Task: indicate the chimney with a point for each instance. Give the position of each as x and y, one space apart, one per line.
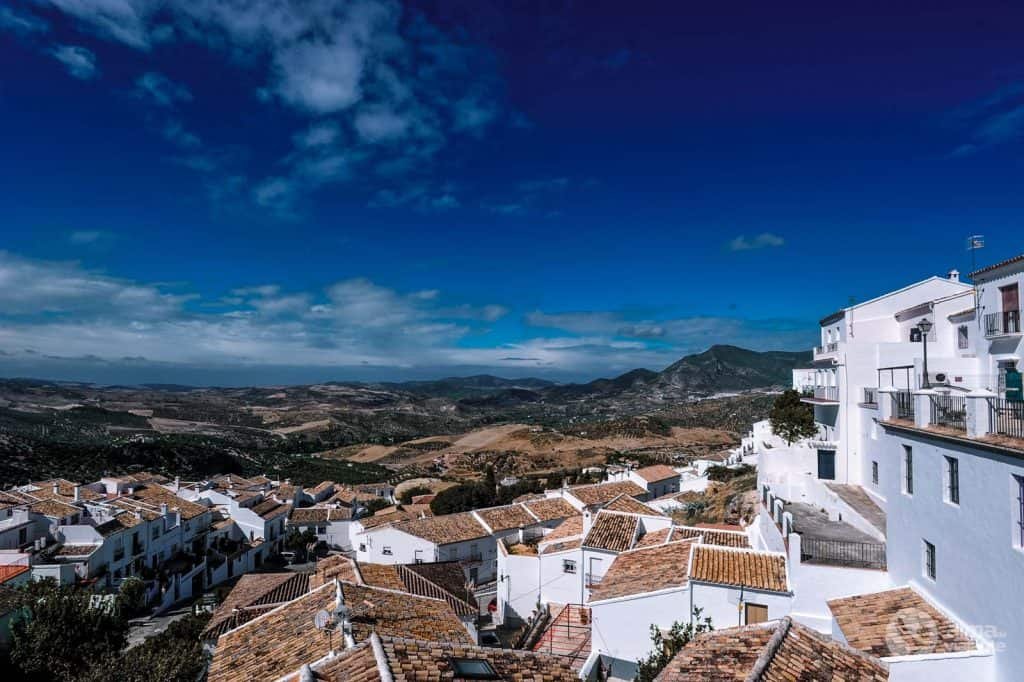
177 483
78 493
954 275
163 509
588 520
56 488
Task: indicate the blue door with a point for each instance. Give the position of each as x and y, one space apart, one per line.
827 465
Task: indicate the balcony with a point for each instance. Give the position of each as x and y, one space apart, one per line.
1005 323
827 350
904 405
821 395
1007 418
950 411
593 580
870 397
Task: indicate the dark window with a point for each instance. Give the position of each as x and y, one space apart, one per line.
473 669
929 559
962 337
568 566
874 472
386 550
953 479
908 470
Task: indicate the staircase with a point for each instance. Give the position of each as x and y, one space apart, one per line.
567 635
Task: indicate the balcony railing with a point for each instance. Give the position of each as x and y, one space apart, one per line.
870 396
904 403
1003 323
827 348
593 580
950 410
826 393
843 553
1007 418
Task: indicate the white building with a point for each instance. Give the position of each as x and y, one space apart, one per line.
920 472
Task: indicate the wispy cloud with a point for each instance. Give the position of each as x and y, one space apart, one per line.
994 120
89 237
161 90
21 24
764 240
80 62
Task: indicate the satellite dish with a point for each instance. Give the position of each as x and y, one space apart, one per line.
321 618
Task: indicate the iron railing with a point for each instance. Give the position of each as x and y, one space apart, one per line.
870 396
826 393
1007 417
827 348
1005 322
904 403
843 553
593 580
950 410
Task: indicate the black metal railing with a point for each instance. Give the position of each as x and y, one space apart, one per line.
1005 322
870 396
950 410
843 553
827 348
807 391
904 404
1007 417
826 393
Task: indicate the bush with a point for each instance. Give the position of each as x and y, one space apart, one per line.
407 495
132 596
461 498
665 647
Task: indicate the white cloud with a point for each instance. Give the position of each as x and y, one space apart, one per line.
126 21
80 62
760 241
80 237
22 24
161 89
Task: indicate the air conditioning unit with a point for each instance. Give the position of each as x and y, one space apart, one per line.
938 378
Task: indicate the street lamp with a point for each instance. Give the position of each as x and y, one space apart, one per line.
925 326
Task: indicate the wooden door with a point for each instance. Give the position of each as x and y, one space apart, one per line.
755 613
1011 297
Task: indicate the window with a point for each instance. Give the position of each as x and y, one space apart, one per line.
874 472
908 470
962 337
755 613
1019 524
156 532
569 566
929 560
22 536
321 530
386 550
473 669
362 547
952 480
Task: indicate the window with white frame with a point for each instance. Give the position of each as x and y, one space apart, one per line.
569 566
929 560
1018 525
952 492
908 470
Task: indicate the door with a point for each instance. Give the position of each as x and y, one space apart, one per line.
596 570
755 613
1011 308
827 465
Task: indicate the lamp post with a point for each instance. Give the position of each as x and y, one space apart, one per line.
925 326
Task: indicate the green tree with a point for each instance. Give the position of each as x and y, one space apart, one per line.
460 498
174 655
665 647
792 419
132 596
409 493
375 505
490 478
61 631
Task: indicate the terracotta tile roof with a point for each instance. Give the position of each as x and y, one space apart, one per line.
722 538
252 595
781 651
739 567
308 515
381 575
377 520
275 644
269 510
507 517
54 509
606 492
145 511
157 495
551 508
612 531
65 490
321 487
657 537
571 527
331 567
995 266
657 472
563 546
631 505
76 550
447 577
897 622
645 570
446 529
409 660
11 571
339 514
117 524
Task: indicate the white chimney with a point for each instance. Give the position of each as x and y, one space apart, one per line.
177 483
78 493
954 275
163 509
56 488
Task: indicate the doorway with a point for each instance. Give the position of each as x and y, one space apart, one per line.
827 465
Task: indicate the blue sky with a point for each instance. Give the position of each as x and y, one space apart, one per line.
268 192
